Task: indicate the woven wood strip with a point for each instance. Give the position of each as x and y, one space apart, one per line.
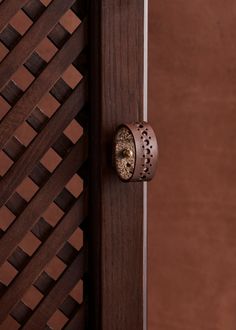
8 9
56 296
78 320
32 38
43 156
49 249
42 84
42 143
42 200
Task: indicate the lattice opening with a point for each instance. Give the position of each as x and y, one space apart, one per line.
51 160
22 78
20 313
25 134
72 76
69 307
3 51
29 244
58 320
6 218
70 21
75 186
55 268
46 2
10 323
74 131
53 214
27 189
21 22
32 297
10 37
7 273
48 105
42 100
5 162
4 106
46 50
34 9
76 239
77 292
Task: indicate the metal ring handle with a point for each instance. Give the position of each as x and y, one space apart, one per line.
135 152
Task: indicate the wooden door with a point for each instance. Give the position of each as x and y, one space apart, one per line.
72 248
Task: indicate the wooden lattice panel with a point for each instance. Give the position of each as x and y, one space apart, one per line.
43 150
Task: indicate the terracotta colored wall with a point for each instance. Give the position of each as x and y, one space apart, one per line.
192 201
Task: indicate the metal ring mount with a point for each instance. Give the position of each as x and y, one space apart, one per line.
135 152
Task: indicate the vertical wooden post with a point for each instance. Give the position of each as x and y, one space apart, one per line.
117 223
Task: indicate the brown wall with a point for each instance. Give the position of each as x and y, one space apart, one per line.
192 201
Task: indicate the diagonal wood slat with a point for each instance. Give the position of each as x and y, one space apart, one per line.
42 256
42 84
56 296
42 200
32 38
8 9
77 321
43 155
42 142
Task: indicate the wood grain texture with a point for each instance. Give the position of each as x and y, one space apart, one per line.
42 142
78 320
56 296
116 267
8 9
44 148
32 38
42 199
42 84
43 255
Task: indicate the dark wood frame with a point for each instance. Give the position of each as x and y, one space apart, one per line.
117 231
